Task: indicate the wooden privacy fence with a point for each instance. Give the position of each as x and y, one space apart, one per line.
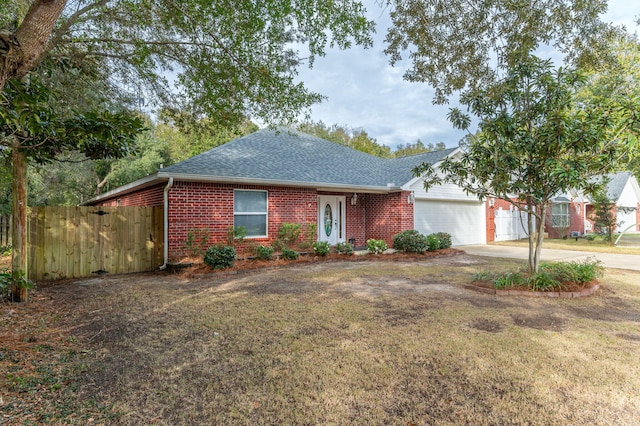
74 242
5 231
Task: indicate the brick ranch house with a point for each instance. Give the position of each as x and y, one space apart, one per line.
271 177
571 212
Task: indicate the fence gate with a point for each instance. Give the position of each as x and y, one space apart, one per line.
510 224
74 242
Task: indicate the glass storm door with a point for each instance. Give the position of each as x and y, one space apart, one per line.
331 214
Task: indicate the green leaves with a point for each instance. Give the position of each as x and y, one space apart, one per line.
29 123
461 45
535 141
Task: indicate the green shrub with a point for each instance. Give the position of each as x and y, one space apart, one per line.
288 254
236 235
552 275
573 272
562 272
482 276
376 246
321 248
543 281
587 271
590 237
264 252
508 279
433 242
289 233
310 233
445 240
410 241
5 282
278 245
5 250
197 239
344 248
220 256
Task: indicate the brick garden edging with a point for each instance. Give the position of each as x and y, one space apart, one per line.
529 293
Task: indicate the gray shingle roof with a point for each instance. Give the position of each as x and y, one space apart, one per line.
617 182
291 156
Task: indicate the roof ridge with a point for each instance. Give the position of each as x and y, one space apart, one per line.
426 152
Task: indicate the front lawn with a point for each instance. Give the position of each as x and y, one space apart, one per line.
328 343
629 244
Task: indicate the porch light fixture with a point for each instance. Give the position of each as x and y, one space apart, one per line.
492 201
411 198
354 199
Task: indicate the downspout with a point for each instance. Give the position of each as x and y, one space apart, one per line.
166 224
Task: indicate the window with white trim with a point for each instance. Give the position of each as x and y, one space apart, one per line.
250 211
560 215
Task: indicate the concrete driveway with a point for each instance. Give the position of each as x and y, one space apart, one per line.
609 260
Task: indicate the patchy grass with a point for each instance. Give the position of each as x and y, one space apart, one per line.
629 244
325 343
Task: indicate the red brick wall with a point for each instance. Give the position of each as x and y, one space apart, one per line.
356 224
387 214
199 205
152 196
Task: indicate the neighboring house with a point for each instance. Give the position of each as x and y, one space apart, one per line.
570 213
272 177
623 190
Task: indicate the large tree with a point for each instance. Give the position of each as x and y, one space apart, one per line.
621 75
230 59
535 141
463 45
32 130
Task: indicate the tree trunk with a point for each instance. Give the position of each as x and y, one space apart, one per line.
28 45
542 220
19 215
531 231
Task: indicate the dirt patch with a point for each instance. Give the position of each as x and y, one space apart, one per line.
630 337
542 321
484 324
613 309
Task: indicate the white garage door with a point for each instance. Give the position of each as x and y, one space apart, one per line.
465 221
626 218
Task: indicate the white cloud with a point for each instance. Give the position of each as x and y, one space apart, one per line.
364 91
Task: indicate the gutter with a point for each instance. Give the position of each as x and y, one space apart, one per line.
165 248
327 186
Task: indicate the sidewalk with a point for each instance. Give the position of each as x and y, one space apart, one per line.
609 260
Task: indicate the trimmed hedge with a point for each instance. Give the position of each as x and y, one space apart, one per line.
220 257
410 241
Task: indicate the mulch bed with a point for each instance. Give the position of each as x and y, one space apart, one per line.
569 290
246 265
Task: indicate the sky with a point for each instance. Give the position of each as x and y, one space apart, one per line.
365 92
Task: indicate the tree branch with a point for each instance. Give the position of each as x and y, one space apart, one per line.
59 33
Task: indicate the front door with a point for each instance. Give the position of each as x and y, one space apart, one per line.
331 214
